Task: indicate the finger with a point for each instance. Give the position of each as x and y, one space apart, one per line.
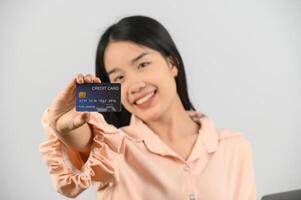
88 78
96 80
80 78
70 88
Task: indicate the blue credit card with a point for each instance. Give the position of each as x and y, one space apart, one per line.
98 97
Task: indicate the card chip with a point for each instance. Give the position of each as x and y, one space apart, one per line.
82 95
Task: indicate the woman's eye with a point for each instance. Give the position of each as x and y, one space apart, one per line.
143 64
117 78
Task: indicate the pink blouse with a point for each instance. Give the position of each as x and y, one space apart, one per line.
132 163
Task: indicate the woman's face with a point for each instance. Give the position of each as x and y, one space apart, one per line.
141 71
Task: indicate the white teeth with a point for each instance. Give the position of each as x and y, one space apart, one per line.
142 100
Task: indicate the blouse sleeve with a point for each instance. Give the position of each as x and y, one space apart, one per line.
69 174
246 185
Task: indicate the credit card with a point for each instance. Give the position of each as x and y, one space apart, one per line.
98 97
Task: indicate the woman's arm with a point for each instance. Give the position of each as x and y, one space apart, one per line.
69 172
79 140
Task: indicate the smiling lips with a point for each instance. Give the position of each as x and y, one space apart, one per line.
142 95
146 100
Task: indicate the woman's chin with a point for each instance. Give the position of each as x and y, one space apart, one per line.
148 115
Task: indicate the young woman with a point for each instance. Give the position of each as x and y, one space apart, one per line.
159 147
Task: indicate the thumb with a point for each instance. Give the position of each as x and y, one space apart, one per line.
81 119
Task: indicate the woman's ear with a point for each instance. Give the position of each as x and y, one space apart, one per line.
172 65
175 71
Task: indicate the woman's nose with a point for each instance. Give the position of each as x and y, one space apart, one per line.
137 87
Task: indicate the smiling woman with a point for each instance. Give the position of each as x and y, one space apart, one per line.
159 147
135 51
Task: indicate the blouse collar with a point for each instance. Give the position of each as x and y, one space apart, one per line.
207 140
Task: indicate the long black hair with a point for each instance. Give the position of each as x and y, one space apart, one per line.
148 32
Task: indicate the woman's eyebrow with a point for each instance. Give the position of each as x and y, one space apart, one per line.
139 57
132 62
112 71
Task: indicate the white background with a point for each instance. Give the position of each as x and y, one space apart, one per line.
242 61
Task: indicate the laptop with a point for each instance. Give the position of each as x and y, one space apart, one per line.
288 195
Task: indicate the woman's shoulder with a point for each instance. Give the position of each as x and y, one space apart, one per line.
226 134
233 139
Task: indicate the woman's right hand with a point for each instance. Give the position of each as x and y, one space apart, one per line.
62 114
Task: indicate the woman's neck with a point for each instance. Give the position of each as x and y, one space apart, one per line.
174 124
